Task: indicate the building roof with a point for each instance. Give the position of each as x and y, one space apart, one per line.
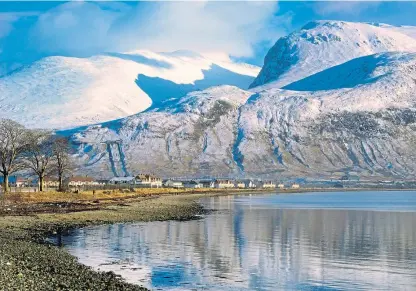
192 182
122 179
173 181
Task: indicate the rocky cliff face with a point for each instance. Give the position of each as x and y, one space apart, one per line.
194 137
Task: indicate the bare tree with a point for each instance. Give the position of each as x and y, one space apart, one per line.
39 155
61 148
13 143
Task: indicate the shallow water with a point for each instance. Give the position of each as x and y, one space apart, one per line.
317 241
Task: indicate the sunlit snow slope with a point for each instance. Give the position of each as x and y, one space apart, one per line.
63 92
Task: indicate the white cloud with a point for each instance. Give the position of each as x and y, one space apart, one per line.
344 7
231 27
8 18
82 28
74 28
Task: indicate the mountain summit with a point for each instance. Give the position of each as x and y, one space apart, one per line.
323 44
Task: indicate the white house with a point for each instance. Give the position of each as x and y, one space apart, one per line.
221 184
51 182
295 186
76 181
148 180
192 184
173 184
21 182
268 184
123 181
239 184
250 184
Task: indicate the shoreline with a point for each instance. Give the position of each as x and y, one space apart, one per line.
28 261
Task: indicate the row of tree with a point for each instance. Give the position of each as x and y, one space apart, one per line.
39 152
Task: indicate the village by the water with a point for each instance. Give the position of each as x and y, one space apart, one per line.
24 184
77 183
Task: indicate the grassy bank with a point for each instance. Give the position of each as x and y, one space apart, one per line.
27 263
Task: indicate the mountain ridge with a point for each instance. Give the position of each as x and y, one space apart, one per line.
323 44
225 131
341 103
64 92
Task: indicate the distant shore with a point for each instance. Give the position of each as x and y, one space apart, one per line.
27 219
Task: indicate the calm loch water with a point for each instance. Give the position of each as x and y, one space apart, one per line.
319 241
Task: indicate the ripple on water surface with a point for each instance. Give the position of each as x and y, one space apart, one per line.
321 241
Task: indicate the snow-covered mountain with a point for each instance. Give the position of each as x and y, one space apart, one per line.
360 117
199 133
323 44
356 117
63 92
334 98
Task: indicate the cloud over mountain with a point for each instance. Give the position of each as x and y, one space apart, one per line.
86 28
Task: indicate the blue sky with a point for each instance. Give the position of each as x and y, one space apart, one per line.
245 30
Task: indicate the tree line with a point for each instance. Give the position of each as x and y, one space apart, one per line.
36 151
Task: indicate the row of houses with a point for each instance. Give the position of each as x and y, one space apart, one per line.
150 181
52 182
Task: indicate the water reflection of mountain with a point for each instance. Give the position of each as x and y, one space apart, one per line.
243 248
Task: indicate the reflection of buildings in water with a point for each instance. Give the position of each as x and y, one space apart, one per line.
284 249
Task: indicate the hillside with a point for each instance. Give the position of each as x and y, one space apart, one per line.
361 121
195 136
63 92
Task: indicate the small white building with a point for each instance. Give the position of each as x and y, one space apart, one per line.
173 184
51 182
193 184
281 186
76 181
239 184
147 180
268 185
295 186
207 183
221 184
250 184
22 182
123 181
48 182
